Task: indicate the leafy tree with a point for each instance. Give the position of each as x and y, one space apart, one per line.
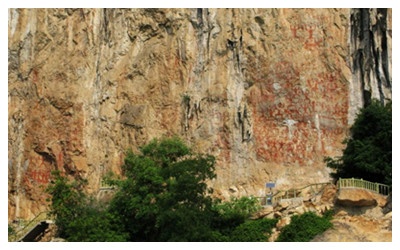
163 196
368 152
94 224
253 231
230 214
303 228
67 200
78 217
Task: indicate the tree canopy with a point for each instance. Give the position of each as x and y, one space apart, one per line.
164 195
161 196
368 152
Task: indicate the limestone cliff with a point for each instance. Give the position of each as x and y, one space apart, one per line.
269 92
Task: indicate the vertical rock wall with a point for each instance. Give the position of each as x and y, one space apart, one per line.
269 92
371 56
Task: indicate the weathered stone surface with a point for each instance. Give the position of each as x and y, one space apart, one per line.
281 205
282 223
274 235
269 92
388 207
328 194
341 213
355 197
300 210
263 212
357 229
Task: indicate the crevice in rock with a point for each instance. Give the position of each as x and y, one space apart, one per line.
244 124
370 52
200 17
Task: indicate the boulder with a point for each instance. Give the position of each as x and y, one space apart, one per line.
281 205
388 206
325 208
388 215
233 189
341 213
270 216
274 235
262 213
300 210
356 198
375 212
328 194
316 199
282 223
307 198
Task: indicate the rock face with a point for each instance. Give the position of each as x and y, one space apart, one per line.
357 229
352 223
359 198
269 92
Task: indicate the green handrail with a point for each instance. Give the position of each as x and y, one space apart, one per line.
26 227
360 183
293 193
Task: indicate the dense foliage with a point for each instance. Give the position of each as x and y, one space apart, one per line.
67 200
162 196
253 231
303 228
11 231
77 217
230 214
368 152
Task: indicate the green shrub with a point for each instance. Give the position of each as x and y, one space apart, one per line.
67 200
164 196
230 214
11 230
253 231
77 216
186 98
94 225
368 152
305 227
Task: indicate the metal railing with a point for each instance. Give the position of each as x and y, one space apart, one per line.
293 193
300 192
360 183
28 225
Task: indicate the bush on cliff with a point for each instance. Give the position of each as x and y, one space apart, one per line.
253 231
303 228
368 152
162 196
77 216
229 215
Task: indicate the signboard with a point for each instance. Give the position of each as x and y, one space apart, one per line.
270 184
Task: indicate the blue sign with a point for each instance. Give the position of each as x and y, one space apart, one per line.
270 184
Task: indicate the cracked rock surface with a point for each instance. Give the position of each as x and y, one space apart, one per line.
268 92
